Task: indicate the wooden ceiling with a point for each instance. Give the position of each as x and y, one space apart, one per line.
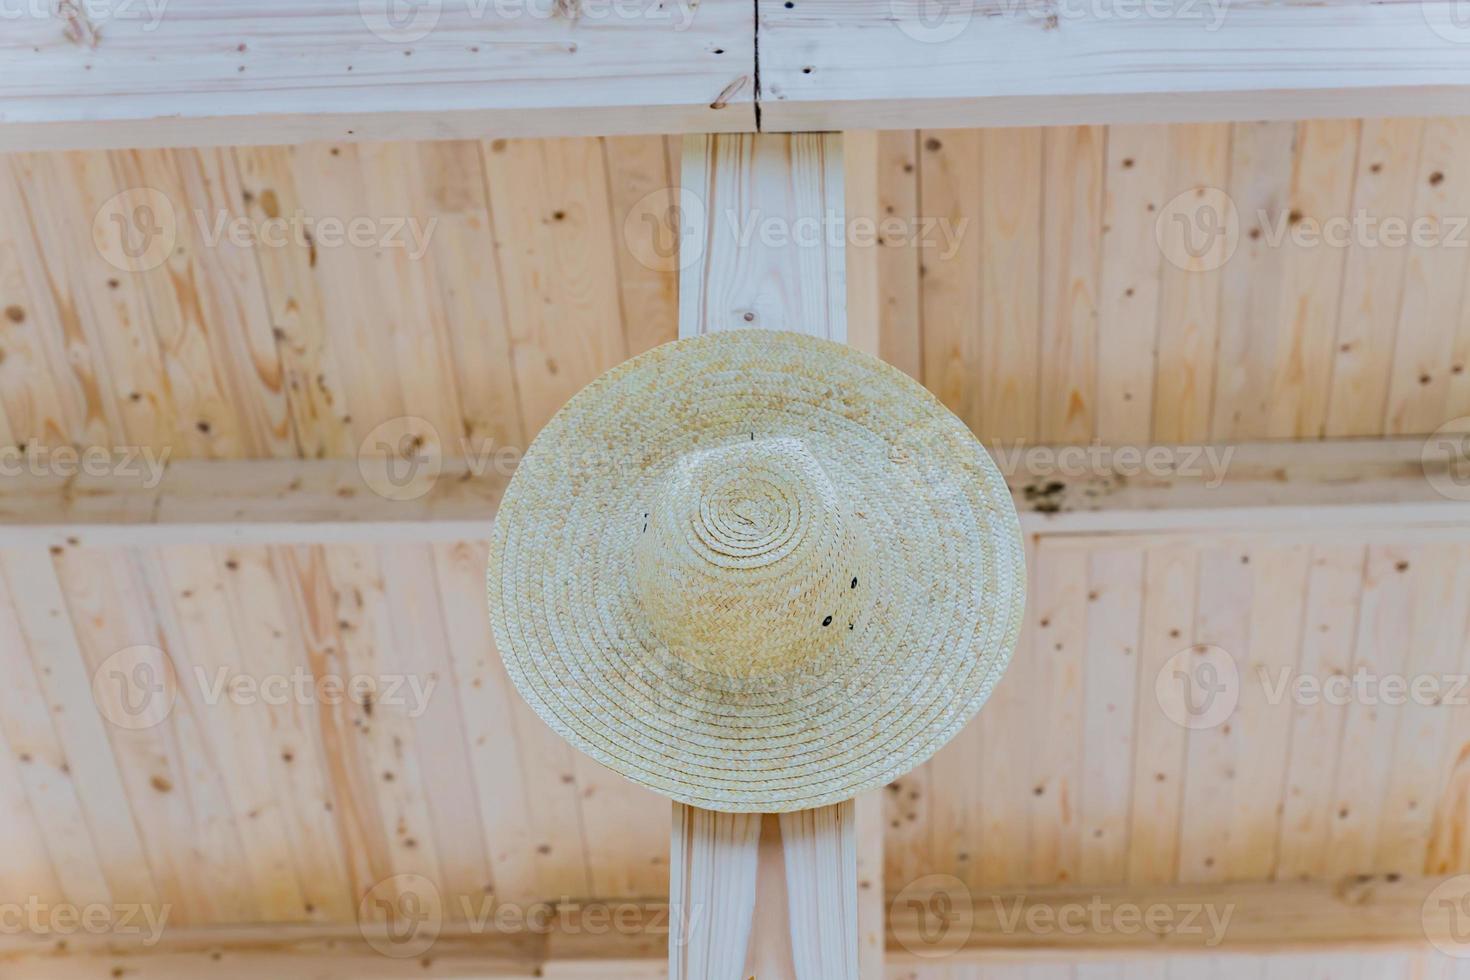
1053 318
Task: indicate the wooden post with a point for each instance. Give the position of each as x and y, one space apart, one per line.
799 896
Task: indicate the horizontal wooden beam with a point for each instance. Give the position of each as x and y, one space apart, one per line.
137 73
886 64
936 919
1363 912
553 947
1392 486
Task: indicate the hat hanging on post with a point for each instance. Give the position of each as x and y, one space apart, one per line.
756 571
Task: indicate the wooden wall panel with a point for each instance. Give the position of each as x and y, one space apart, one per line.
1111 787
1020 276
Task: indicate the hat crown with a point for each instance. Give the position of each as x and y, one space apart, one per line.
750 563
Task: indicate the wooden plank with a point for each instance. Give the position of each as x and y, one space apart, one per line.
1373 914
199 73
761 249
1312 279
1429 314
1384 620
1376 917
1326 650
1307 488
713 865
1170 586
949 289
790 884
902 243
1071 209
56 654
1261 156
1055 699
553 236
1189 286
1128 306
1115 601
848 64
1010 282
486 703
643 191
190 579
1368 316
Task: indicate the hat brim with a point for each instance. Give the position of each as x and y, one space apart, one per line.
935 634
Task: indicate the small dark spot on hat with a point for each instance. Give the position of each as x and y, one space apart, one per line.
849 626
827 621
854 583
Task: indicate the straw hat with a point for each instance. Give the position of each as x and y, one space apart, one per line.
756 571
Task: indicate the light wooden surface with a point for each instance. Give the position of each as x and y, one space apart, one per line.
196 72
782 893
530 287
760 251
845 64
1405 487
1289 929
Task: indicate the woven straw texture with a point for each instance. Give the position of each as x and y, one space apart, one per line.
756 571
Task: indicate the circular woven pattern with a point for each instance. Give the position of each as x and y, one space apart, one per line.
756 571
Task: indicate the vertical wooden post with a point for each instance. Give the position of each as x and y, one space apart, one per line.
799 896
